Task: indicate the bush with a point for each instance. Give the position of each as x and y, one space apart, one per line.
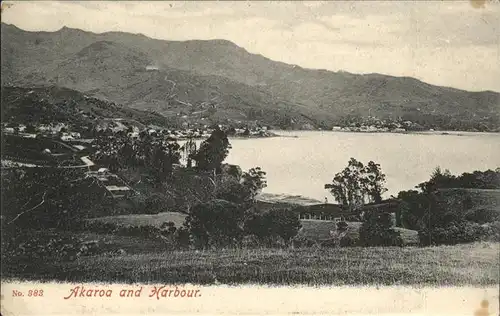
274 227
342 226
33 246
157 203
216 223
168 228
377 230
251 241
302 241
182 238
451 234
482 215
491 231
348 241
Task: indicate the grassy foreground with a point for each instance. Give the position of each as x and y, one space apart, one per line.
472 264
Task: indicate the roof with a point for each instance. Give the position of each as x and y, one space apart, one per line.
117 188
87 161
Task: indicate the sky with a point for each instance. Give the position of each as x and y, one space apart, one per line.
447 43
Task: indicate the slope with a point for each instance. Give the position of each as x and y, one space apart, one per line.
114 66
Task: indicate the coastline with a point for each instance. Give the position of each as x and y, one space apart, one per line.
440 133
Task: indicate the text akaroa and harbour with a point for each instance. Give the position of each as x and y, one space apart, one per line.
157 292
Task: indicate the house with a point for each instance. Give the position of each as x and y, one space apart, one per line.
336 212
67 137
87 161
324 211
79 147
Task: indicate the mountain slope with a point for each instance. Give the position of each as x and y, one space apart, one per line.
239 84
46 105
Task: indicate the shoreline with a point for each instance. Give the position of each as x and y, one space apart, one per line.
439 133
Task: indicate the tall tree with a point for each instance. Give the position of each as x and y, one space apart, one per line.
347 186
358 184
374 181
212 151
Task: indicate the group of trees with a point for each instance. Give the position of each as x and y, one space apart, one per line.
212 152
155 154
442 209
226 218
220 223
217 198
358 184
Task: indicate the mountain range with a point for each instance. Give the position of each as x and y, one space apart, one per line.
218 81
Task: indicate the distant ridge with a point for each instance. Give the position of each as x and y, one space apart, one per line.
226 83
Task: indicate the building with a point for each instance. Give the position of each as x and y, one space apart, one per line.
336 212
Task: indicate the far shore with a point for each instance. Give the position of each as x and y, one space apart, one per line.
452 133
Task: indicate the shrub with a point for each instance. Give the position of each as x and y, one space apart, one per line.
33 246
342 226
274 227
491 231
157 203
168 228
216 223
251 241
453 233
482 215
377 230
182 238
348 241
302 241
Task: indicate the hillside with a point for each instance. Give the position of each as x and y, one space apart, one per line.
217 80
46 105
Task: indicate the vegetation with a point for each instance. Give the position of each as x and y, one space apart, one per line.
217 223
377 230
216 92
46 105
57 210
272 225
155 155
430 266
212 152
443 210
358 184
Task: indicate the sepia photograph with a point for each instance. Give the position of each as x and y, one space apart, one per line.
166 149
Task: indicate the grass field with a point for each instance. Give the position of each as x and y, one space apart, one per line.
144 219
471 264
320 230
313 229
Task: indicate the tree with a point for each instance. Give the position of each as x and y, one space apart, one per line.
414 205
283 223
373 182
188 150
121 152
30 129
377 230
439 179
254 180
162 157
43 198
358 184
215 223
266 226
212 151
